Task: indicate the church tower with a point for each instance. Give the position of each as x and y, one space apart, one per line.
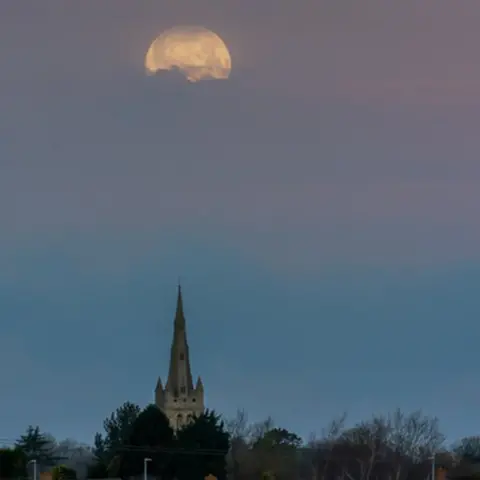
180 400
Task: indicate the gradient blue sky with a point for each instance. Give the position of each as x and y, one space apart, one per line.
321 208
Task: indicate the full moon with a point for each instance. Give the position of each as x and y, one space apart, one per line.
197 52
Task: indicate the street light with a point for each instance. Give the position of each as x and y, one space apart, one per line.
145 461
34 462
433 466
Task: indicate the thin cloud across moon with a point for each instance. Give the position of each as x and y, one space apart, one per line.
197 52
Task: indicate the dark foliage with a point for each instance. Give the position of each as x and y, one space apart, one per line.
117 427
468 448
203 445
97 470
151 437
36 446
12 463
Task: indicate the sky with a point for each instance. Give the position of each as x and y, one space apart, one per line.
319 208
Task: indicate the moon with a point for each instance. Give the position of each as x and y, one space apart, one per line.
197 52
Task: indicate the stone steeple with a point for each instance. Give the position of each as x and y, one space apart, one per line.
180 400
180 374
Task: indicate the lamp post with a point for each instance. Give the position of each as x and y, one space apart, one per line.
34 463
433 466
145 461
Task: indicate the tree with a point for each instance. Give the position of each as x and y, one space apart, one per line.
99 447
360 449
151 436
37 446
259 429
415 435
13 463
320 452
117 429
411 439
261 450
203 445
468 448
394 447
276 453
279 438
238 427
240 431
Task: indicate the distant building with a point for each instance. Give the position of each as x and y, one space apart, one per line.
180 400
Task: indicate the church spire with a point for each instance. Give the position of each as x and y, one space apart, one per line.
179 316
180 375
180 400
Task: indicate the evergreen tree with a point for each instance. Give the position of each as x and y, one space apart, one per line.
151 437
203 445
37 446
118 427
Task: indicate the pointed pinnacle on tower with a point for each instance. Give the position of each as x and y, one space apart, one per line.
199 385
159 385
179 373
179 316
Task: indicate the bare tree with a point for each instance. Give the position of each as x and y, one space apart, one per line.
323 448
415 435
238 427
240 431
334 429
243 460
362 448
385 447
259 429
